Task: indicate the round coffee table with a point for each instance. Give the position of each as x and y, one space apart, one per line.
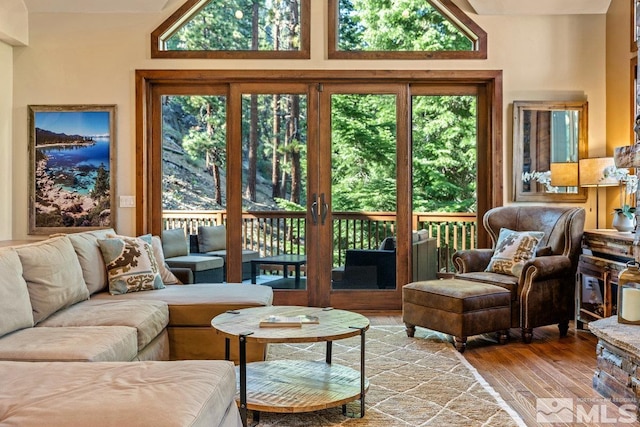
295 385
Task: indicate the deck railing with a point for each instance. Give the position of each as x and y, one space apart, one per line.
278 232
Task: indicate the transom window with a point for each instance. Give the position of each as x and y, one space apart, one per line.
357 29
403 29
236 28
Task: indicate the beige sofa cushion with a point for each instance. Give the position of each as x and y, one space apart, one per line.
90 257
53 275
168 278
15 306
70 394
81 344
212 238
196 305
175 243
148 318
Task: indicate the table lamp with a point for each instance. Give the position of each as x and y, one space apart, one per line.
564 174
592 175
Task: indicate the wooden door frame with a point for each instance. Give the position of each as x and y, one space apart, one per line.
489 112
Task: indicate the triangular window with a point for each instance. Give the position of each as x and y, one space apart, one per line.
403 29
235 29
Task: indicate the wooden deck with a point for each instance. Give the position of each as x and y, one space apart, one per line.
549 367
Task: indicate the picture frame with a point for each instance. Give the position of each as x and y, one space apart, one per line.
72 168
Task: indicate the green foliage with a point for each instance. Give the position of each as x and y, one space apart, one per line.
228 25
101 187
363 126
444 154
363 152
286 205
397 25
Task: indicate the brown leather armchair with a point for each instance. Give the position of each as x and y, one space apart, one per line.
544 292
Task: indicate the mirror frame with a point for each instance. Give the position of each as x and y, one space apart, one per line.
519 195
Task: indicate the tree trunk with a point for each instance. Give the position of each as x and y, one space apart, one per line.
211 163
275 157
253 120
294 132
217 196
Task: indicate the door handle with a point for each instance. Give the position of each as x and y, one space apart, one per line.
325 208
314 209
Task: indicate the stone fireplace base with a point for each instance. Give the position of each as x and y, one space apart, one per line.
618 361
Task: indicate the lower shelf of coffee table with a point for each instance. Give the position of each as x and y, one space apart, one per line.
299 386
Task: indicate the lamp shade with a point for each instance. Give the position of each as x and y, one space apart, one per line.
564 174
592 172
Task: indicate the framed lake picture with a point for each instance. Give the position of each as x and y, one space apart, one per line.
71 168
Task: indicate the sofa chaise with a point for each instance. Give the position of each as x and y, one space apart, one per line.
58 308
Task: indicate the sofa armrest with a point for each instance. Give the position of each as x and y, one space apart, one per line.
472 260
185 275
546 267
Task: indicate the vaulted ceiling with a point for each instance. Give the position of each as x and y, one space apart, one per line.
95 6
482 7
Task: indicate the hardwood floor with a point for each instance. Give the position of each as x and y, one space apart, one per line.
549 367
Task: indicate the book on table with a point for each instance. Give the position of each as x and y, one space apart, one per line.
275 321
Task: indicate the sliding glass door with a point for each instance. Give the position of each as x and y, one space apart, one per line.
321 186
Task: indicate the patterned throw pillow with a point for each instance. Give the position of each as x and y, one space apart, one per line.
131 265
513 250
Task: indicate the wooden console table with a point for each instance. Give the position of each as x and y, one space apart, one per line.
604 255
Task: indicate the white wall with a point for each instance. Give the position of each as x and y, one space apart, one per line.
85 59
6 105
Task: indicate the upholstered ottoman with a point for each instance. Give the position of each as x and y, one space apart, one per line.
457 307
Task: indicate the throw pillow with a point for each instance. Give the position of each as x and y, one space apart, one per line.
213 238
53 275
168 278
174 243
15 307
513 250
131 265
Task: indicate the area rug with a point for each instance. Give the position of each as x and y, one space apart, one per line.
420 381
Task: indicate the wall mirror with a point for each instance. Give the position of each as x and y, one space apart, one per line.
549 138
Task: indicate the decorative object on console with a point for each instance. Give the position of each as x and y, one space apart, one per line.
591 172
629 294
629 157
623 219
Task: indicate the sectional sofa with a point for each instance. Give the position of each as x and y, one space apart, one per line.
60 308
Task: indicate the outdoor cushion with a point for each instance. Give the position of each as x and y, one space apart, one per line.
174 243
15 306
148 318
196 262
53 275
86 344
247 254
212 238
